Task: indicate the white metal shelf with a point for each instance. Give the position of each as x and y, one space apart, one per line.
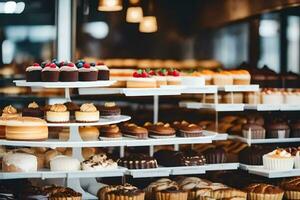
264 141
77 84
239 88
261 171
272 107
219 107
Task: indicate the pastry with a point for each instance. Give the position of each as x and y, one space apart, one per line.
110 131
58 113
61 193
215 155
160 130
269 96
252 98
278 129
165 189
138 161
255 119
64 163
278 159
32 193
223 78
19 162
87 113
98 162
103 71
120 192
236 97
68 72
33 110
191 130
72 108
50 73
141 82
253 155
177 125
110 110
170 158
134 131
195 187
241 77
88 73
295 129
160 76
291 188
33 73
64 134
173 77
49 155
26 128
89 133
10 112
3 121
88 152
260 191
253 131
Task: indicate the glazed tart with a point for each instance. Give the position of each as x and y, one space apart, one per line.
138 161
191 130
160 130
134 131
87 113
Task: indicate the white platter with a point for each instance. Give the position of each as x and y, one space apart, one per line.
77 84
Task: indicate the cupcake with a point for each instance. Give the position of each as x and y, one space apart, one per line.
278 159
58 113
68 72
278 129
295 129
50 73
215 155
33 110
110 110
10 112
33 73
103 71
291 188
261 191
87 113
88 73
253 131
120 192
253 155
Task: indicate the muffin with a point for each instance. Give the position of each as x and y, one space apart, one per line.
34 73
110 131
278 129
33 110
103 71
110 110
253 155
160 130
89 133
191 130
291 187
87 113
261 191
58 113
50 73
10 112
295 129
68 73
215 155
255 131
134 131
255 119
278 159
88 73
118 192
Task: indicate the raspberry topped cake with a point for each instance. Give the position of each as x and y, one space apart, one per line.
88 73
33 73
50 73
68 72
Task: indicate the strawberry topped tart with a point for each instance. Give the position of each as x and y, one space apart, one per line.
141 79
173 77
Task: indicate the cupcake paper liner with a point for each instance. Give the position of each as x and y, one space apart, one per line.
291 195
297 162
278 163
171 195
260 196
255 134
278 134
140 196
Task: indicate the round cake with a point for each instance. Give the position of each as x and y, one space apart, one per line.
58 113
64 163
19 162
26 128
88 113
3 121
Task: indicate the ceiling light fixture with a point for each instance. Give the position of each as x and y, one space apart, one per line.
149 22
110 5
134 14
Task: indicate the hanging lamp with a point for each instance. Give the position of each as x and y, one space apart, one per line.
149 22
110 5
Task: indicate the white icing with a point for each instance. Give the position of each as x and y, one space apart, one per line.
50 69
64 163
23 161
33 68
91 69
280 153
102 67
68 68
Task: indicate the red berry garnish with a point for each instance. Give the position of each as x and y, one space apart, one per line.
86 65
53 65
136 75
144 74
176 73
71 64
48 65
36 64
152 73
61 63
170 72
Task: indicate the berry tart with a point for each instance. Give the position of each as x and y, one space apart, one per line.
110 132
173 77
33 110
103 71
160 130
141 79
50 73
134 131
33 73
110 110
88 73
68 72
58 113
87 113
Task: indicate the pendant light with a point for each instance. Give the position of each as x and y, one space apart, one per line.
134 14
110 5
149 22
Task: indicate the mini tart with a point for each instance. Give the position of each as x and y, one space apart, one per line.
121 192
88 113
110 110
291 188
26 128
141 83
138 161
110 131
134 131
58 113
160 130
33 73
262 191
191 130
68 73
89 133
10 112
33 110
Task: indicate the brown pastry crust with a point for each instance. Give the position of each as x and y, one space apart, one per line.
135 131
111 131
160 129
262 188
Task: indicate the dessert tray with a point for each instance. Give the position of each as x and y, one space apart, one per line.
77 84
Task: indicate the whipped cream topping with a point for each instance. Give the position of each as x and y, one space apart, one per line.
33 68
68 68
280 153
98 162
102 67
58 108
9 110
50 69
33 105
90 69
88 107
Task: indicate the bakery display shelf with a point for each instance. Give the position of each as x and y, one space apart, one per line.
247 167
144 173
102 121
77 84
261 171
264 141
222 107
46 174
239 88
273 107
